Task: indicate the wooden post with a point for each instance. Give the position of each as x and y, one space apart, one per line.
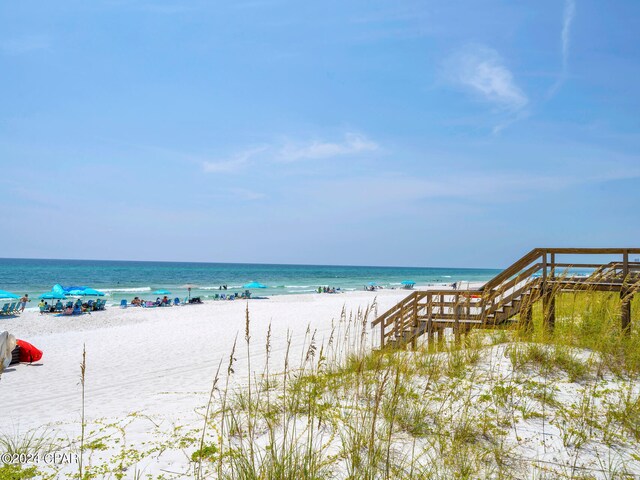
456 317
548 302
414 339
382 322
430 319
625 297
552 294
526 313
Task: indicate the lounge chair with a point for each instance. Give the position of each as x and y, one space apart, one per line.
5 309
13 310
123 303
58 307
176 301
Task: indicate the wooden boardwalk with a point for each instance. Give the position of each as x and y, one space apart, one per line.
510 296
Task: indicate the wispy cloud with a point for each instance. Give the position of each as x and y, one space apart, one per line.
567 20
22 45
233 164
352 144
290 152
569 14
482 71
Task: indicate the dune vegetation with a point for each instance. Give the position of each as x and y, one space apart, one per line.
500 403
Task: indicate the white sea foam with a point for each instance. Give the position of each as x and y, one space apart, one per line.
217 287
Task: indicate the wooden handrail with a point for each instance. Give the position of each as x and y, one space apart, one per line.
502 297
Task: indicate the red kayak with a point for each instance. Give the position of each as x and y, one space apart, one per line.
28 353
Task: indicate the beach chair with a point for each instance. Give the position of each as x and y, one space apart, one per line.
90 305
68 311
123 303
12 309
176 301
44 308
103 304
58 307
5 309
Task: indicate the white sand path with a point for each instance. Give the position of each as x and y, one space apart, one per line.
156 361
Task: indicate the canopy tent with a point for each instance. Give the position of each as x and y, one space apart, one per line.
52 296
76 291
5 294
254 284
90 292
408 284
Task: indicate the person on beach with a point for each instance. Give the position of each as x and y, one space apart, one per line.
23 302
42 306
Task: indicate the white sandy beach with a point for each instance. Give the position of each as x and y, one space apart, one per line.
154 361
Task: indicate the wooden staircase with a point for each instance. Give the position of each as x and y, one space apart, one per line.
509 296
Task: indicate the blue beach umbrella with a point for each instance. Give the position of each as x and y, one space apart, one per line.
162 292
5 294
52 296
372 284
408 282
254 284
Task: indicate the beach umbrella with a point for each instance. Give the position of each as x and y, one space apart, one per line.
52 296
372 284
5 294
408 282
254 284
188 286
162 292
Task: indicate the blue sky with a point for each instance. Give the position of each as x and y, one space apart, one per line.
430 133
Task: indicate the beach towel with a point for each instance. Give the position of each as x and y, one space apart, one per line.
7 344
28 353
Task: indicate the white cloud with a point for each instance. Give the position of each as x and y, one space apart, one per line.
233 164
567 21
569 14
246 194
482 71
352 144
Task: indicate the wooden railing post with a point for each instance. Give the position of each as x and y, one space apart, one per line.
430 319
526 312
456 317
625 296
414 338
548 306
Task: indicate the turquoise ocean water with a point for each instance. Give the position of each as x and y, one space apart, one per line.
119 279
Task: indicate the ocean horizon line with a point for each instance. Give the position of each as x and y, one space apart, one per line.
245 263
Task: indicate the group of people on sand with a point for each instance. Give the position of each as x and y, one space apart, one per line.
328 290
69 308
160 302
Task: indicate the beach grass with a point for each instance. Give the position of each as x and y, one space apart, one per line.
502 403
